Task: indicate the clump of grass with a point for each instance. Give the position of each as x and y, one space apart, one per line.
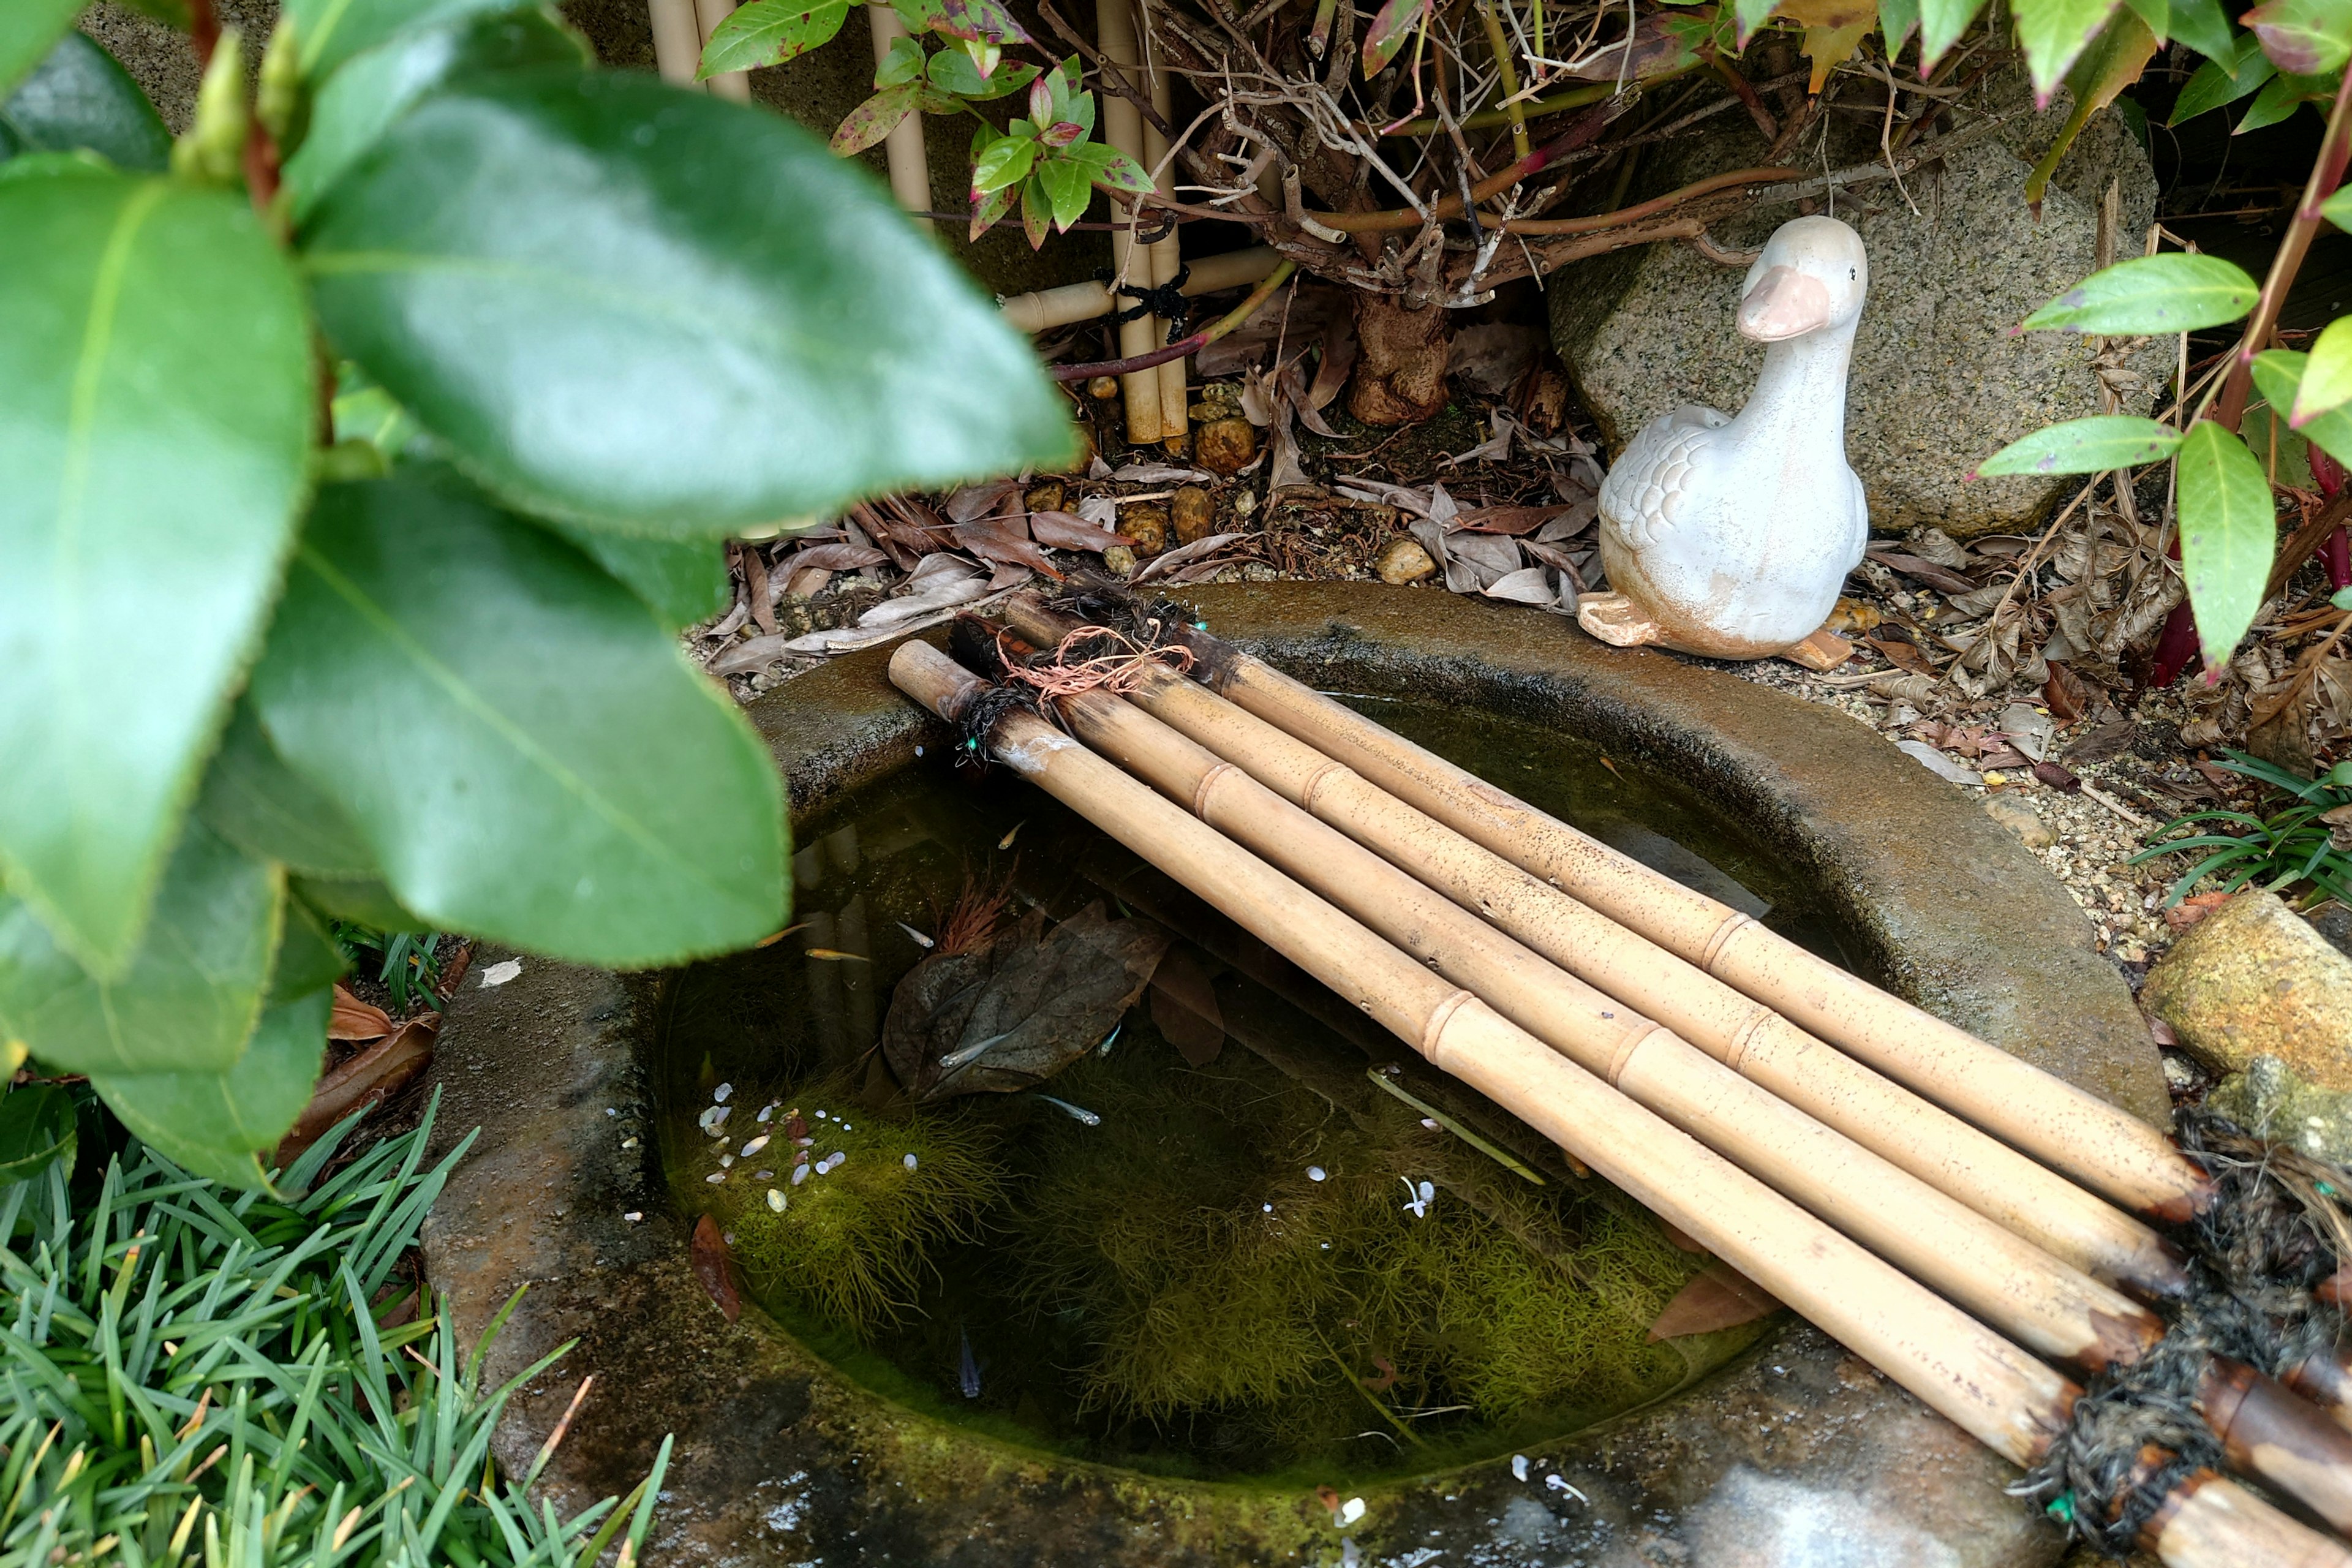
2292 845
191 1374
854 1244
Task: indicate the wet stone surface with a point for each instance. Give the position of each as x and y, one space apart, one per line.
1794 1454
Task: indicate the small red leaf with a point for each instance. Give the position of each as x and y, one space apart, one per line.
714 1267
1717 1297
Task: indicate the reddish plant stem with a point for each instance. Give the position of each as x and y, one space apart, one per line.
1650 208
203 28
2327 173
1587 128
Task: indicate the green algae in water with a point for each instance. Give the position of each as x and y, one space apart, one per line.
1172 1289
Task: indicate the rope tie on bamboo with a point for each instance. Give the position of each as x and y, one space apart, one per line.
982 713
1163 300
1092 658
2261 1253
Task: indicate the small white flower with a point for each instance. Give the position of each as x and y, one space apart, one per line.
1560 1484
1417 1200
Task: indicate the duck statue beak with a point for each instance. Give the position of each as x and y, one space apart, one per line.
1785 303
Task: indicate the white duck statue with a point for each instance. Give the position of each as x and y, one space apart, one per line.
1730 537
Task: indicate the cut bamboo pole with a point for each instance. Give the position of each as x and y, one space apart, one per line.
2005 1281
2266 1431
1167 255
1989 1387
678 41
1122 128
1994 1180
1049 307
735 86
903 152
2106 1148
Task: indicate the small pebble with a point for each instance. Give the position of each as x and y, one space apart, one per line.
1518 1467
610 1111
762 1175
1268 1207
500 974
910 1162
716 1177
799 1175
628 1143
1351 1511
918 751
1315 1172
755 1145
765 1111
711 1120
776 1200
634 1215
718 1095
725 1161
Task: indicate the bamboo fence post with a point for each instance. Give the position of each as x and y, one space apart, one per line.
1167 255
1049 307
678 41
2003 1279
1122 128
734 86
2106 1148
2030 1199
1989 1387
903 150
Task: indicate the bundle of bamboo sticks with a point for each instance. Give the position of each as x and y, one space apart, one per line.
1900 1183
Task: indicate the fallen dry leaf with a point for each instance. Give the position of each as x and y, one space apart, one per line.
1005 541
2068 698
1184 1008
1067 530
1939 577
1515 520
1717 1297
354 1019
714 1267
367 1080
1167 560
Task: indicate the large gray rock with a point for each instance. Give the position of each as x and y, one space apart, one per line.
1956 260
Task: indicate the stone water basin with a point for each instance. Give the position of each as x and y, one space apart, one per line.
808 1432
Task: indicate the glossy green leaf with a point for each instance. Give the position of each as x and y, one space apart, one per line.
978 20
987 208
1007 162
1941 23
2229 533
2337 208
1391 28
364 902
2305 38
1069 185
681 581
2278 377
920 16
192 992
375 88
329 32
521 744
2325 383
1747 15
28 30
1037 212
2174 292
2342 600
2280 97
2203 25
2054 33
214 1124
901 63
2156 14
78 97
1896 21
951 71
36 1129
253 800
769 33
2092 445
157 401
645 307
1112 169
2223 80
867 124
308 958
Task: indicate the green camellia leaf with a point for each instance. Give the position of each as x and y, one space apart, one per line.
28 30
79 98
901 63
953 71
2175 292
681 581
37 1129
216 1123
989 208
329 32
1037 212
1897 18
1941 23
2278 377
1006 163
523 746
2092 445
156 404
253 800
1391 28
192 992
2223 80
2280 97
1069 185
2305 38
642 308
2326 381
867 124
375 88
2200 24
2229 533
2054 33
1112 169
308 958
365 902
769 33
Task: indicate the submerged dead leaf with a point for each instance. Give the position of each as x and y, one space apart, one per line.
715 1268
1717 1297
1184 1008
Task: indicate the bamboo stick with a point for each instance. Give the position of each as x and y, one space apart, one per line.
1988 1386
2005 1281
1048 308
903 152
2104 1147
1167 255
2266 1431
1991 1178
1122 128
734 86
678 41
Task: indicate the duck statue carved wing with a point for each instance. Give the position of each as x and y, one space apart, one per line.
1730 536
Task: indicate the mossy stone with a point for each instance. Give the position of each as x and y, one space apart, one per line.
2253 979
